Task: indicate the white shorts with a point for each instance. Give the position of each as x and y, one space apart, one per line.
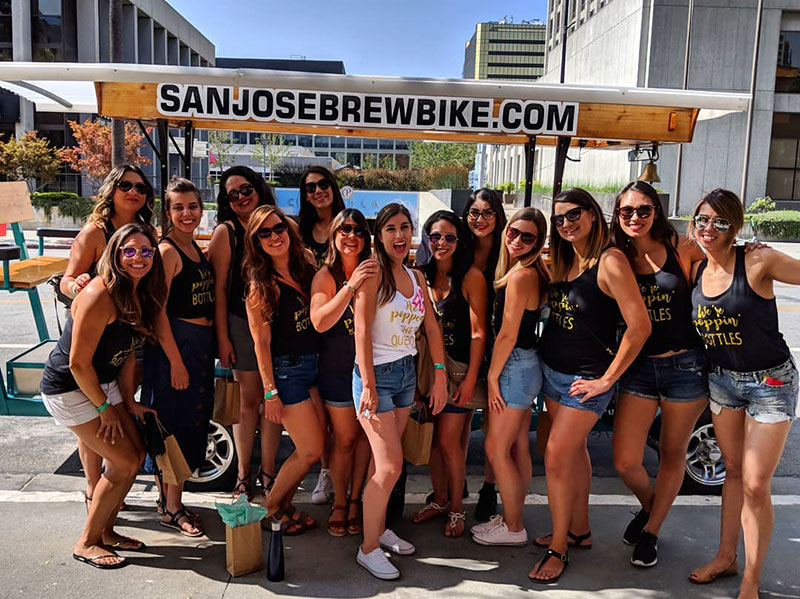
74 408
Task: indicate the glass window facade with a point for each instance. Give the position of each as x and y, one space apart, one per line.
783 174
787 78
54 30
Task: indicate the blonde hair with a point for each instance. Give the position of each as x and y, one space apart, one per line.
561 251
533 259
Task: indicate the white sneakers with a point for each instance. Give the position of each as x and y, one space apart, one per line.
482 527
324 490
391 542
500 535
376 562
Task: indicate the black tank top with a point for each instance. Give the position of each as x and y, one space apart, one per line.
582 327
337 346
191 294
236 280
320 250
453 310
739 327
117 342
668 300
108 231
291 328
526 336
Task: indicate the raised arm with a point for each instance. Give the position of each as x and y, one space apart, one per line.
219 254
477 296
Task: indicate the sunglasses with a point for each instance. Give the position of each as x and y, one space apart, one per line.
644 211
450 238
476 214
266 232
571 215
145 253
245 191
701 221
126 186
323 184
354 229
527 238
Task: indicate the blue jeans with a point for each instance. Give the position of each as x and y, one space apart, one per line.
521 379
395 383
677 378
557 385
760 392
294 376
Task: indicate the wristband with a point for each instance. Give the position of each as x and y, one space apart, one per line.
350 288
270 394
438 366
75 290
103 406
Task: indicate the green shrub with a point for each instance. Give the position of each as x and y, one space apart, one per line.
778 224
760 205
68 204
52 196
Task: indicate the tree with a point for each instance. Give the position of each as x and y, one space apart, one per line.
92 154
269 151
426 154
387 162
220 144
29 158
368 162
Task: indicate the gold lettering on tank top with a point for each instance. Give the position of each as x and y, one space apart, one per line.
657 302
717 328
561 309
118 359
202 290
412 313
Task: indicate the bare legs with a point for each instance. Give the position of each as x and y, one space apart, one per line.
347 435
92 467
632 422
450 444
513 472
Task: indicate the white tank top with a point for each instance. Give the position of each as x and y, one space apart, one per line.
394 329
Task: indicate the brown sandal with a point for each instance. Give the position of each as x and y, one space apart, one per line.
289 527
307 521
337 528
731 570
355 525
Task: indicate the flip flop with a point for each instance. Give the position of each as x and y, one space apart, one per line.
574 541
139 545
92 561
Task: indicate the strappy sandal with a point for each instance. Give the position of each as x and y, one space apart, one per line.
289 527
429 511
307 521
338 528
174 522
243 486
88 502
193 516
575 541
550 554
731 570
355 525
260 476
451 528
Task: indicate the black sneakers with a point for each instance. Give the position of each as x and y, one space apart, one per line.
645 554
487 503
634 530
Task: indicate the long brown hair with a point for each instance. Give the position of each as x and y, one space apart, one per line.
532 259
258 270
662 230
308 215
177 185
387 286
334 258
104 204
561 251
151 290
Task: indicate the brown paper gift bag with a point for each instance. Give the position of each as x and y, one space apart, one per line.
417 439
173 466
243 549
226 402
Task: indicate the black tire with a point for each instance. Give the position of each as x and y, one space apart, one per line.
218 473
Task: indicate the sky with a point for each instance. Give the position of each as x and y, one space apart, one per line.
404 38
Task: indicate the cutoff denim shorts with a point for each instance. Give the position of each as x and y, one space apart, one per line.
395 383
765 403
294 376
521 378
557 385
336 389
677 378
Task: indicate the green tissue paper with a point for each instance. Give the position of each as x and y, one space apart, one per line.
240 512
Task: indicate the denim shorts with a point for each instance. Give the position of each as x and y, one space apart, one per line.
521 378
556 387
395 383
336 389
294 376
677 378
765 403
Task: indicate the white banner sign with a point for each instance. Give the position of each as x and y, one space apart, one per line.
473 115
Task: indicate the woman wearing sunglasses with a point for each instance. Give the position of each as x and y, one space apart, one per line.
486 221
752 379
669 373
124 197
458 291
178 373
241 191
592 286
515 374
347 266
320 202
278 271
88 380
390 308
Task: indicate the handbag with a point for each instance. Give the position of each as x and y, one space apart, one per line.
227 405
456 373
418 437
173 466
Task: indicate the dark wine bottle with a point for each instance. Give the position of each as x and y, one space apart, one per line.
275 571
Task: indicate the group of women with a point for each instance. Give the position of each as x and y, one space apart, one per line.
321 322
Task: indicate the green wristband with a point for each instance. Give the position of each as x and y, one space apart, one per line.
103 406
269 394
438 366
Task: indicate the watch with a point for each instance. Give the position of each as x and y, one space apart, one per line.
350 288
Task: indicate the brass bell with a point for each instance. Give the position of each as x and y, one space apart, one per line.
650 173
